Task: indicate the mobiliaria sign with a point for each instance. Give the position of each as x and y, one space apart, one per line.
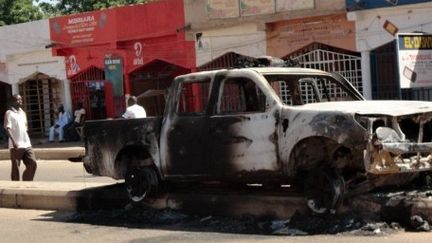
77 30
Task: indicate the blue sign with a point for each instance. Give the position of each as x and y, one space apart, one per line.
114 73
355 5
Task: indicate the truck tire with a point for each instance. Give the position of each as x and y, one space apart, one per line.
324 191
140 183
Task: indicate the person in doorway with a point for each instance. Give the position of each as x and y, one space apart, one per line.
63 118
79 118
15 124
134 110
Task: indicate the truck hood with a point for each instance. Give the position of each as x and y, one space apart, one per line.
388 107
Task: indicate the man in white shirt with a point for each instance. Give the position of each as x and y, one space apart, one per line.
134 110
15 124
62 120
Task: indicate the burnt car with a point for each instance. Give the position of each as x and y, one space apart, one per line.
271 126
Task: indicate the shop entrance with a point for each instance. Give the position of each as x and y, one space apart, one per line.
385 79
156 75
95 93
5 94
41 96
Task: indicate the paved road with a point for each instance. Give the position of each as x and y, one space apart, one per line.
55 170
49 226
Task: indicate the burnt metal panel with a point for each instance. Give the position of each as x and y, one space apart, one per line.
106 138
186 141
243 146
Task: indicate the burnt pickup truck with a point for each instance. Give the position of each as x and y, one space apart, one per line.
270 126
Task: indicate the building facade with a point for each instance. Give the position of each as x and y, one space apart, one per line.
28 68
99 58
377 25
123 51
313 33
249 27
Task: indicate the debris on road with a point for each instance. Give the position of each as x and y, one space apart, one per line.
350 223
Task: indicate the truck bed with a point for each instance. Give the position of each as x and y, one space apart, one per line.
105 139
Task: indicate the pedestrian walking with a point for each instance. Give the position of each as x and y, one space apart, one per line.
15 124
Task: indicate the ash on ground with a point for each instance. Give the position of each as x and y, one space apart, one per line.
376 213
144 217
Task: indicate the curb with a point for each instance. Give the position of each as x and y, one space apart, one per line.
67 196
77 196
49 153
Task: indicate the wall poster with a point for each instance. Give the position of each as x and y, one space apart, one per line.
415 60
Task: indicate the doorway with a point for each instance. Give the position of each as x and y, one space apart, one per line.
156 75
41 96
5 94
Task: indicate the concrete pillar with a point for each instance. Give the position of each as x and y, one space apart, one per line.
366 74
67 102
15 89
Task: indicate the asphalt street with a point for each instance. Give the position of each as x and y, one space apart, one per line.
18 225
55 170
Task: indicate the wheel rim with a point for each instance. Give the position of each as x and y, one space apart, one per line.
137 185
324 192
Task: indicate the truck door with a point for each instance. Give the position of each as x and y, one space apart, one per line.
242 131
182 138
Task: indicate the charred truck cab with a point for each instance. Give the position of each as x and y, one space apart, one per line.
303 127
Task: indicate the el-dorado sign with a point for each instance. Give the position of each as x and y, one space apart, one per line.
415 60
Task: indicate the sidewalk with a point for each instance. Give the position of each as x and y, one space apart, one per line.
49 151
70 196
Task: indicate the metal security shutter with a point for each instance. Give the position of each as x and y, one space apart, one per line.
88 87
384 73
41 97
331 59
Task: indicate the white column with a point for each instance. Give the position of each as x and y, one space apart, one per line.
15 89
366 74
67 102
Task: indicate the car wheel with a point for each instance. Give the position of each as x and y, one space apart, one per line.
87 168
140 182
324 191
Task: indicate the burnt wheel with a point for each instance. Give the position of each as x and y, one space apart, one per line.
87 168
140 182
324 191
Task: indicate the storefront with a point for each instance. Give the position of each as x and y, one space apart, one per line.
325 42
377 25
5 94
256 28
122 51
29 69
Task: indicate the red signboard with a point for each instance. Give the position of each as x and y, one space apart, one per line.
138 34
83 29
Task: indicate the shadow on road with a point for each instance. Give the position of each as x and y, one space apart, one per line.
95 208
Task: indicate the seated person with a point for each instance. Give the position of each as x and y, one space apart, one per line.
134 110
63 119
79 118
